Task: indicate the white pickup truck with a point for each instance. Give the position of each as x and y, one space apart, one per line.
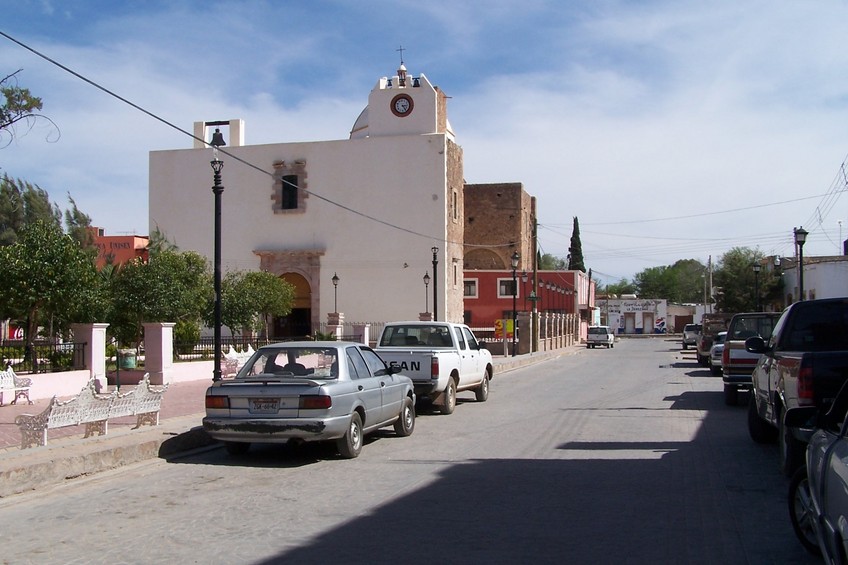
600 336
441 358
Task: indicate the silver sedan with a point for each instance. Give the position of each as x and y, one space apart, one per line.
309 391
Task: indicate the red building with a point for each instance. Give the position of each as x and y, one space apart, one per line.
118 249
488 295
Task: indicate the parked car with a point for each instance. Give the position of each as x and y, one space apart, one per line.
711 324
309 391
805 363
737 363
818 493
716 352
690 334
600 336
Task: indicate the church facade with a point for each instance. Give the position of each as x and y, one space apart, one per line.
373 212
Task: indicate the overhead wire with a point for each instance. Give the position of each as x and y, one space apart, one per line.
236 157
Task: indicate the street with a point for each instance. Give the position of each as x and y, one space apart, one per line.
624 455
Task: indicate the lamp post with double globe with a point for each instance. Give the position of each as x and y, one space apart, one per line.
218 191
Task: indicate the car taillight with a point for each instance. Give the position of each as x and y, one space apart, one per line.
725 356
805 384
434 367
315 402
222 402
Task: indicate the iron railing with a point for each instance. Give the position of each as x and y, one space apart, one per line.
42 356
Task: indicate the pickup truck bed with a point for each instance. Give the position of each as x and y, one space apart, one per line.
441 358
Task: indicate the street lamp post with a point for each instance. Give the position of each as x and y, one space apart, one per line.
218 191
426 292
515 258
800 239
757 268
435 250
336 292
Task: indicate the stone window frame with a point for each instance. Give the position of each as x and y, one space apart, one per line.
282 169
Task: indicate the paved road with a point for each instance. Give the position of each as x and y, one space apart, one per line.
625 455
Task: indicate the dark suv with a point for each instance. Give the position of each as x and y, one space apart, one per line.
690 334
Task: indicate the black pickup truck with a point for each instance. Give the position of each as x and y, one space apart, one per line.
804 363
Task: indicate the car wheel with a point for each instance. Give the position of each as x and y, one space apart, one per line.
612 345
350 445
791 450
685 346
481 393
406 422
236 447
801 511
759 430
449 403
731 395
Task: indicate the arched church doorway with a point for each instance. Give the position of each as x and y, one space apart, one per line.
299 322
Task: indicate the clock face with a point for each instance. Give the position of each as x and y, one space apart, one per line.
401 105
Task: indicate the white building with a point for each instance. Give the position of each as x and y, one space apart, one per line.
824 277
634 315
368 209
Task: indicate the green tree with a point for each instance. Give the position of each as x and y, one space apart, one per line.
735 280
623 286
248 298
655 282
575 251
19 105
172 286
46 274
23 203
548 262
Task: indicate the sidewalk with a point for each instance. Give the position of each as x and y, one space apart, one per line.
68 454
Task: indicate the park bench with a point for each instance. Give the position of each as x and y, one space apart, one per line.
94 410
233 361
19 386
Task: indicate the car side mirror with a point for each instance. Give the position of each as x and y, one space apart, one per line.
392 370
755 344
482 345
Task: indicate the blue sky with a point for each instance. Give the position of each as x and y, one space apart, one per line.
671 129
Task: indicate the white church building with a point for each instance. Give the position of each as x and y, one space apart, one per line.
369 209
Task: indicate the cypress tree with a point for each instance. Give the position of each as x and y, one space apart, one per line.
575 251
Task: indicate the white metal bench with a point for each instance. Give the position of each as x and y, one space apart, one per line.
233 361
19 386
94 410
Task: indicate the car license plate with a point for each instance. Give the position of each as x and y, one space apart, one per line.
264 405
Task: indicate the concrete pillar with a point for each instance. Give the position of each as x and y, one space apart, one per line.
364 331
158 350
525 333
94 336
335 324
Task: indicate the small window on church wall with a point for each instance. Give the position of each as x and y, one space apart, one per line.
289 195
454 205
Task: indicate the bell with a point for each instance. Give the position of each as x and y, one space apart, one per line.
217 138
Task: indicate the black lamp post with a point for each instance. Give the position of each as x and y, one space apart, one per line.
757 268
426 292
217 190
800 238
435 285
515 258
335 292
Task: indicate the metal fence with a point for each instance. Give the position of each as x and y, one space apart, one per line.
42 357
